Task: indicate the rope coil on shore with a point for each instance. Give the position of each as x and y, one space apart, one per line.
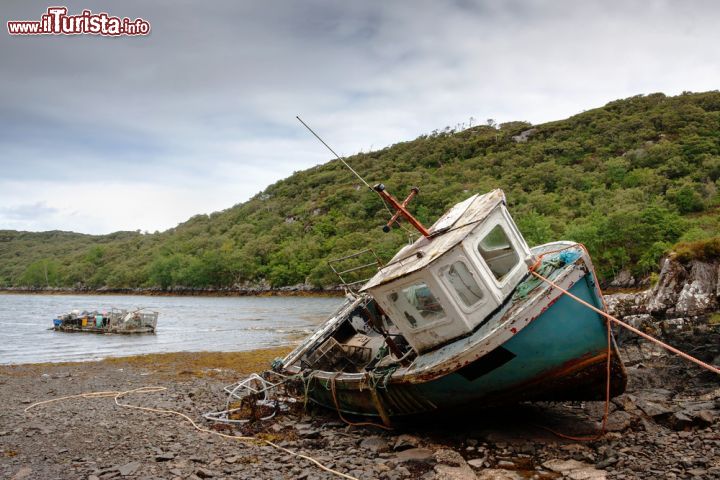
117 394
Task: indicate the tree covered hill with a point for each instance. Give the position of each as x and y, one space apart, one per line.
629 179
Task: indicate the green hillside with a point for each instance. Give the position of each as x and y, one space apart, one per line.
629 179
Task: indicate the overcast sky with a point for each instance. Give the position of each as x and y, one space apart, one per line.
99 134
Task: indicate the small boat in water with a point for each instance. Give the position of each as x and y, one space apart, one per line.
115 321
456 320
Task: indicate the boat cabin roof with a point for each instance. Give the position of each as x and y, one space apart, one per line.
446 232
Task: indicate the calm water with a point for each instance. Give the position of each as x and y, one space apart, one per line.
185 324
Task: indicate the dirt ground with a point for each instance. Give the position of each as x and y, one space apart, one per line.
665 426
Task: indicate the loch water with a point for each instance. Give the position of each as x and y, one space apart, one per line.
185 324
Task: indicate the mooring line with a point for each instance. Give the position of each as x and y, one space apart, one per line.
644 335
608 318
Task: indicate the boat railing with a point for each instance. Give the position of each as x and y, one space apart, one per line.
355 269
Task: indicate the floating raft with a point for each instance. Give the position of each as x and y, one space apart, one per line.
115 321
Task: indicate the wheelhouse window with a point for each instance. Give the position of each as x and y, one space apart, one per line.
418 304
460 278
498 252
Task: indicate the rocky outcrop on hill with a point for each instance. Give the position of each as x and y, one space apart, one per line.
684 290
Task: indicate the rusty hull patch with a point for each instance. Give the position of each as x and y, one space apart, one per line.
579 379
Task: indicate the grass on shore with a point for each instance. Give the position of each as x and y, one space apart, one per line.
219 365
203 363
173 293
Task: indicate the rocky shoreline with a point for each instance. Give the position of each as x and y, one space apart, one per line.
253 291
665 426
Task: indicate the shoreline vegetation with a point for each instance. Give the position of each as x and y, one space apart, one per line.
633 180
177 292
149 292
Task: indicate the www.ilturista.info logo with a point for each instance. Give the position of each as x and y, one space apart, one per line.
57 22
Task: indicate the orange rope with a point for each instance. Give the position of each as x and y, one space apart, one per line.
606 412
670 348
608 318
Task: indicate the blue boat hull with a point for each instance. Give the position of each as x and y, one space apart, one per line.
560 355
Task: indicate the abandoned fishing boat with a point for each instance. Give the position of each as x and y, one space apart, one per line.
456 319
115 321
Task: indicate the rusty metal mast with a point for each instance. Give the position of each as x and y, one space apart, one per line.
400 207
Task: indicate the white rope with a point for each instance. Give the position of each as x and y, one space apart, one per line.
116 394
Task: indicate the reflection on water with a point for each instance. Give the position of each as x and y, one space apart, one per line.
185 324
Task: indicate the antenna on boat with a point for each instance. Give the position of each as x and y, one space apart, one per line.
333 152
400 207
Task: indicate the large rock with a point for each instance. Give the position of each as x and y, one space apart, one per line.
129 468
524 136
575 470
452 466
24 472
704 417
422 455
625 304
619 421
683 290
672 279
375 444
699 295
498 474
449 457
680 421
447 472
627 402
654 409
204 473
624 279
403 442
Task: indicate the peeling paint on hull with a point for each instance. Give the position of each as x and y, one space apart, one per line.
559 355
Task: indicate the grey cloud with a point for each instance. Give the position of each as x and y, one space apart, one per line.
213 91
27 212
